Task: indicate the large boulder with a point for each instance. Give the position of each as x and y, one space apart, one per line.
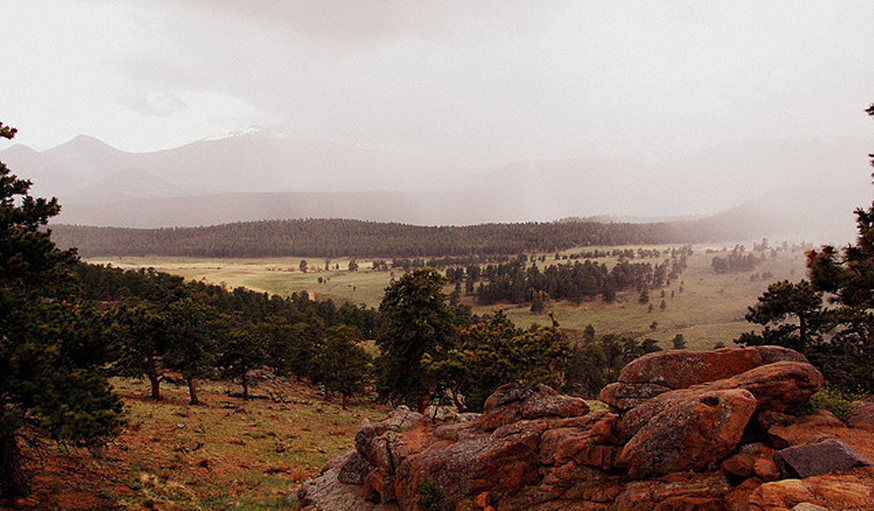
384 444
625 396
514 401
585 442
502 462
819 458
684 491
781 386
354 469
693 430
328 493
680 369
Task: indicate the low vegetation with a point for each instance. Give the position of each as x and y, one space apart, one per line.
225 453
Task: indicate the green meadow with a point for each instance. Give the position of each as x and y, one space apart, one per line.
706 308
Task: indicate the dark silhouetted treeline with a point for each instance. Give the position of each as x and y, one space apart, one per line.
518 283
163 324
738 259
111 284
336 237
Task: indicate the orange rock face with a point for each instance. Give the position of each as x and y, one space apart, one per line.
686 431
828 491
781 386
680 369
692 431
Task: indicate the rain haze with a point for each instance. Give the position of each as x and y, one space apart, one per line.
436 112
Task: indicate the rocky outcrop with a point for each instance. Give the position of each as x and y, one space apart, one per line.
685 431
328 493
512 403
655 373
781 386
691 431
829 492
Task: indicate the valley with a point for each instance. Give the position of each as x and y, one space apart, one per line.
709 310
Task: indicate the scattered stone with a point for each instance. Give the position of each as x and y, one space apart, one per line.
766 468
820 458
741 465
822 418
483 500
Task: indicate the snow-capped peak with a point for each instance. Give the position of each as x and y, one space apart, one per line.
260 131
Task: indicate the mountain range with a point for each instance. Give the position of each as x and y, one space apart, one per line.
784 186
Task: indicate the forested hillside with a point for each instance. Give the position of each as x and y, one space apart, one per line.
336 237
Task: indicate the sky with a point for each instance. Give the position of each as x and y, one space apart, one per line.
480 82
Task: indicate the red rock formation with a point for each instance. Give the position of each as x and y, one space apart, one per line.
695 444
692 431
680 369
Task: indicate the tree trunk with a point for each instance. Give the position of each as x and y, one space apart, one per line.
802 335
156 386
13 480
344 401
192 391
245 382
456 400
155 378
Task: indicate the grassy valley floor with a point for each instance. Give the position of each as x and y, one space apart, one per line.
709 309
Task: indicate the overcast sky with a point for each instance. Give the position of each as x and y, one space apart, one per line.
483 81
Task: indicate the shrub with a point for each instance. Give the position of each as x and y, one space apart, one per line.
432 496
835 401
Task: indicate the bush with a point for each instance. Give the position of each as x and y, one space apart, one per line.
432 497
835 401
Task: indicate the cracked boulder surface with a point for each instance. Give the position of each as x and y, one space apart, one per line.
706 438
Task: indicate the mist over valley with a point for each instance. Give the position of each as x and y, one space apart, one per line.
786 188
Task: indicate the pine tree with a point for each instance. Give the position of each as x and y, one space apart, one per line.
839 340
342 365
191 341
537 305
416 319
52 346
142 339
496 352
242 351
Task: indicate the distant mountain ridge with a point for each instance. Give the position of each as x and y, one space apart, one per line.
785 216
258 174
